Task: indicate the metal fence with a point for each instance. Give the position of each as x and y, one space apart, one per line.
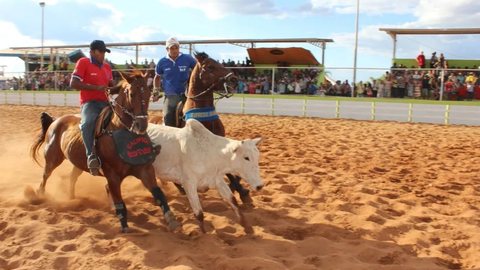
278 106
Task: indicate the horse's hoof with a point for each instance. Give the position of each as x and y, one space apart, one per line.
124 230
202 228
248 229
33 196
172 222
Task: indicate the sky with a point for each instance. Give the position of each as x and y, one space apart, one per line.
81 21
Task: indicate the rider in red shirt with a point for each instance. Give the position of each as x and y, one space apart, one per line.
92 76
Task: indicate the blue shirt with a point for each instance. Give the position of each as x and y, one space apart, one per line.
175 73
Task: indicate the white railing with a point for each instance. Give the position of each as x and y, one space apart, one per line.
370 109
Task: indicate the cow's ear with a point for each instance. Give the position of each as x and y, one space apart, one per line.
257 141
236 146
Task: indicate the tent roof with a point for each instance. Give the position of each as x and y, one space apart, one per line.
436 31
290 56
252 42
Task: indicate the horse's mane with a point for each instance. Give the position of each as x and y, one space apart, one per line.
125 76
136 73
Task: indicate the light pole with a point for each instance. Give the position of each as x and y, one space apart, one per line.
42 5
355 50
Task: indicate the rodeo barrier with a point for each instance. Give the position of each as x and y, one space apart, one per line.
275 104
278 106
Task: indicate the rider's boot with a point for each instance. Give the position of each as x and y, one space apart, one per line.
93 163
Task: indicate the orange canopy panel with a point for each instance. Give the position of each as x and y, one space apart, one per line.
282 56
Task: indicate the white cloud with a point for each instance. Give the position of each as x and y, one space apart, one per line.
12 37
108 26
428 13
217 9
371 41
447 13
366 6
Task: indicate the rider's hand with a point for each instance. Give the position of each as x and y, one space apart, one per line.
156 94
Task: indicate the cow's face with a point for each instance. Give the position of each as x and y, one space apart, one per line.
245 162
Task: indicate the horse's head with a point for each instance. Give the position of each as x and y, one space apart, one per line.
131 104
213 76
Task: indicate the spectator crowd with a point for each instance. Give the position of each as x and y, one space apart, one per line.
422 81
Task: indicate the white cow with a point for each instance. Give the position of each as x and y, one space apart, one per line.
197 159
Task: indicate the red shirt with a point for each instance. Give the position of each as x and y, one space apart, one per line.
92 73
449 86
421 60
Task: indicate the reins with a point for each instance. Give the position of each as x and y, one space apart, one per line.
114 104
225 94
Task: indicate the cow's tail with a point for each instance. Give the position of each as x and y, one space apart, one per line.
46 121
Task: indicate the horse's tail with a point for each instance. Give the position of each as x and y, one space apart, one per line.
46 121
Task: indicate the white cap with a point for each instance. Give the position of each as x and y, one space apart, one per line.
172 41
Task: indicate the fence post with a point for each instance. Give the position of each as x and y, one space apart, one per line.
373 110
272 106
65 99
55 80
447 114
20 97
273 80
305 107
49 99
410 109
34 98
337 109
442 74
243 105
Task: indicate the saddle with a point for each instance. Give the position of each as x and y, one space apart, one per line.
103 120
132 148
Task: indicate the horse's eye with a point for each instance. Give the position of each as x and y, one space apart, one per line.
247 158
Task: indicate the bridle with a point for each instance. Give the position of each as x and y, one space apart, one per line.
226 93
135 118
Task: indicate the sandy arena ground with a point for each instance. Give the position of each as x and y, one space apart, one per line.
339 194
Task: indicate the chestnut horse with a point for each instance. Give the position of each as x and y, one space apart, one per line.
63 140
209 77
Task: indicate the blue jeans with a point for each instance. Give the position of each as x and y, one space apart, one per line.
169 108
89 112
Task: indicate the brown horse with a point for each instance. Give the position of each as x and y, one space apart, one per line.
63 140
209 77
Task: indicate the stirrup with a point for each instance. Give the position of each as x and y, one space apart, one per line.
94 164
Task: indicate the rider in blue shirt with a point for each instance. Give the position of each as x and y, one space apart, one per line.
173 71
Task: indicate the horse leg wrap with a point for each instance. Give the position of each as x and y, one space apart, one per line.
160 199
121 212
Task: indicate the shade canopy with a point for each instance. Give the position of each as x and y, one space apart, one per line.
282 56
